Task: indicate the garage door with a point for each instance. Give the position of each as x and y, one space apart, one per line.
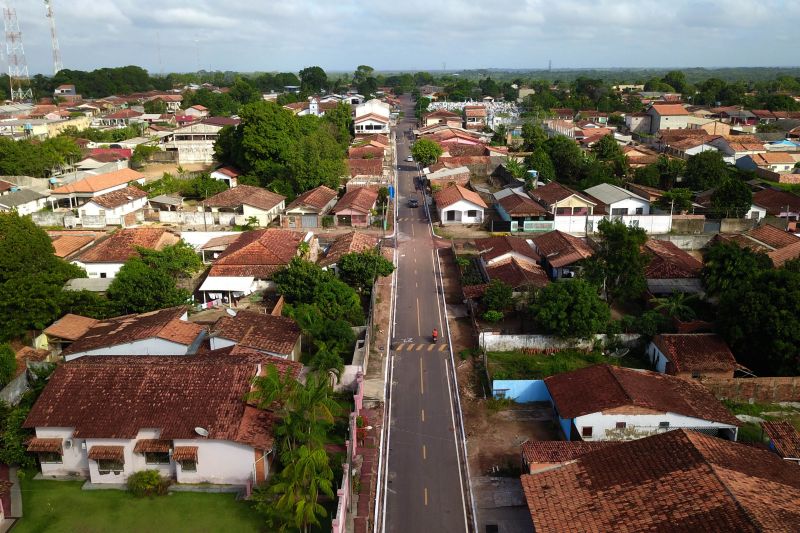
309 221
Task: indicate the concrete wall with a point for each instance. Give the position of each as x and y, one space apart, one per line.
737 225
494 342
762 390
521 390
152 346
219 461
100 270
686 242
688 224
580 224
637 425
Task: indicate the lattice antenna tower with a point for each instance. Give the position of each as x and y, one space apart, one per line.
18 77
57 65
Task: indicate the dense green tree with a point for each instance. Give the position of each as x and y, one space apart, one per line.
677 305
540 162
155 106
301 483
218 104
670 169
648 176
607 149
340 119
676 200
498 296
567 158
8 364
178 260
517 169
596 172
571 309
426 152
139 288
727 265
360 270
313 80
533 136
705 170
731 199
760 320
618 263
36 158
243 92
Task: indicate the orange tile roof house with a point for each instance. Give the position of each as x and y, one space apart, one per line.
667 117
677 481
544 455
67 330
671 269
355 207
605 402
79 192
692 355
68 242
561 253
114 205
784 439
162 332
248 201
561 200
278 336
352 242
104 418
307 210
106 257
458 205
247 264
778 203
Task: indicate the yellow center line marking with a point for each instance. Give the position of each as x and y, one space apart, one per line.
421 382
424 452
426 496
423 415
419 330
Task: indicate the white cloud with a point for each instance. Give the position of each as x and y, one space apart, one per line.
391 34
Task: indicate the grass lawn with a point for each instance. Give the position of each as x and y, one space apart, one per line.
751 431
61 506
518 365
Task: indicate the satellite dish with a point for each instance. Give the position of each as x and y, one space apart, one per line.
231 312
203 432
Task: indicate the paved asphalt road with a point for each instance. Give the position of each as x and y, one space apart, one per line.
424 490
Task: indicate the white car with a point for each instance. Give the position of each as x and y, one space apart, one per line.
410 159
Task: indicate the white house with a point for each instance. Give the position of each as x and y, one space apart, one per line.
194 142
605 402
186 417
106 256
197 111
227 174
459 205
773 161
115 204
248 201
24 201
619 201
667 117
79 192
162 332
736 147
372 117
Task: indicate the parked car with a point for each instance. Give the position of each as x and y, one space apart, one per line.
413 201
410 159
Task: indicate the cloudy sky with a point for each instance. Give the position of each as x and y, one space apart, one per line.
287 35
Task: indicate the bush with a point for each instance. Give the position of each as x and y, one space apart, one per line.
148 483
493 316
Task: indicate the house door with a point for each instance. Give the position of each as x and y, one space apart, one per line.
309 221
451 216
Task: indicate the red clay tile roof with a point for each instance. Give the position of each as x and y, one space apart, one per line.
236 197
39 445
124 153
773 158
121 245
441 113
222 241
454 193
775 202
317 198
517 274
100 182
371 116
696 352
352 242
67 243
108 453
604 387
152 445
667 261
521 206
466 150
554 192
361 199
561 249
474 111
273 334
669 109
365 167
772 236
375 138
677 481
787 253
162 324
365 152
70 327
116 396
184 453
118 198
258 253
560 451
229 171
494 247
785 438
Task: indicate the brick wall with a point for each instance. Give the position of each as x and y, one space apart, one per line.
760 390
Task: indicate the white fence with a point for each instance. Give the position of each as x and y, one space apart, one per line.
588 223
495 342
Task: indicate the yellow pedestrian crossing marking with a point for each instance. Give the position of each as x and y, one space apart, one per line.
420 347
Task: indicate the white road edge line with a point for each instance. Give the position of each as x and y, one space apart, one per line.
440 292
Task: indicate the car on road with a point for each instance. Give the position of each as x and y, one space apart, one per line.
410 159
413 201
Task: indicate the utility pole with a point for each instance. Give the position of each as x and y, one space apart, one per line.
53 37
18 78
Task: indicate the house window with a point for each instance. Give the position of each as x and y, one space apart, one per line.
618 211
103 274
586 431
106 466
189 466
663 425
563 210
156 458
621 425
472 213
640 210
50 458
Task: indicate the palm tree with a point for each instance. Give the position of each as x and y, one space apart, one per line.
300 484
676 305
